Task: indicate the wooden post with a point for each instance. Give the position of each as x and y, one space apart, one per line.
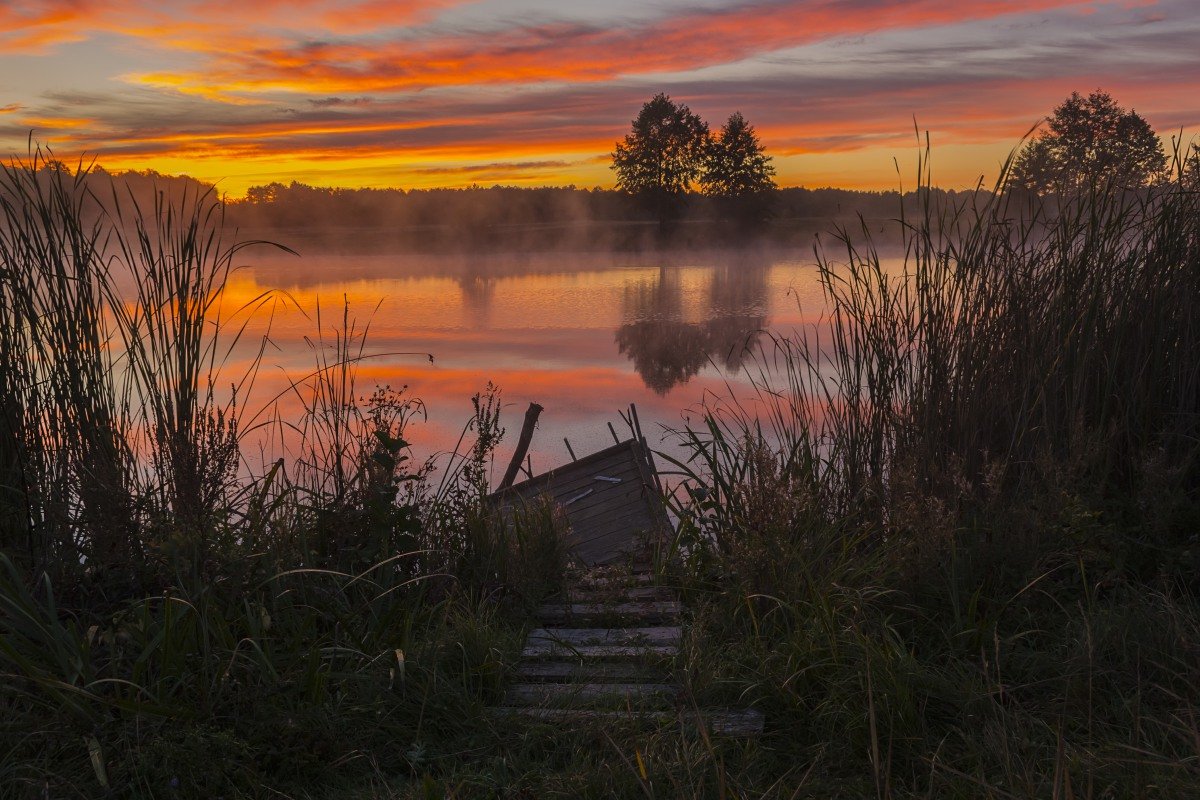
531 418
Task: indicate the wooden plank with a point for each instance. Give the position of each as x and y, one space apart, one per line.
563 481
600 463
605 497
620 580
627 526
734 723
563 490
586 715
612 503
548 649
635 594
629 536
576 694
579 466
580 612
594 672
651 635
626 522
608 549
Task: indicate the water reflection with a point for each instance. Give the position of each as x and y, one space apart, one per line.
478 292
667 349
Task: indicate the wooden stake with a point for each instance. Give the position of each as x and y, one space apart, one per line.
531 418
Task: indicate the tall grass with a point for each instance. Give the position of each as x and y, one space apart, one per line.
173 623
1021 337
68 462
950 543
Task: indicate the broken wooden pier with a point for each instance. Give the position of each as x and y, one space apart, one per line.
607 649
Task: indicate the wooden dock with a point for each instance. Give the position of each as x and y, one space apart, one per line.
606 651
611 500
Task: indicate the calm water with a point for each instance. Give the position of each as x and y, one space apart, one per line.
584 335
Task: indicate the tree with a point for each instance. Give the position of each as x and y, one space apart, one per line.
1191 168
1090 141
737 171
662 156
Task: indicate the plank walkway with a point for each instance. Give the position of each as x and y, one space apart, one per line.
605 652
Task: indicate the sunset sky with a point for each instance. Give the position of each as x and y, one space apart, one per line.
535 92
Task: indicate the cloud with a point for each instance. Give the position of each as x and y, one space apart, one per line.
333 87
339 102
556 50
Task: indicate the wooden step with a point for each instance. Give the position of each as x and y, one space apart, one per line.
627 636
602 642
653 611
593 672
619 594
583 694
594 580
718 722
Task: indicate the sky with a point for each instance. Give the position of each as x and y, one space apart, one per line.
535 92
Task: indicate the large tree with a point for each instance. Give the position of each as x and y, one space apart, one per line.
737 171
662 156
1090 140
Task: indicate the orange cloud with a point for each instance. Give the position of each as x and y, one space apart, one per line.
378 93
559 51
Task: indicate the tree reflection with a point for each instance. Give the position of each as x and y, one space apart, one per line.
667 351
477 290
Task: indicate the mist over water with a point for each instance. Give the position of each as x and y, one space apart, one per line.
583 334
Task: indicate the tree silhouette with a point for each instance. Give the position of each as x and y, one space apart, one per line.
1191 168
1090 140
737 172
662 156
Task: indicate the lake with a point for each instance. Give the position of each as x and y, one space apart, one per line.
583 334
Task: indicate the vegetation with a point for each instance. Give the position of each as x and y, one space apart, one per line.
662 156
952 550
522 219
1091 140
670 149
738 172
171 623
949 550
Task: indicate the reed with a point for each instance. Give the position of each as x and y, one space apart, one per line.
950 542
172 622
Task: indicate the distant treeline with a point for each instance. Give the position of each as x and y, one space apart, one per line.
546 216
504 216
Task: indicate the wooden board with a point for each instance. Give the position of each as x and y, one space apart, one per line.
611 501
568 694
730 722
580 613
643 593
651 635
602 642
596 672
